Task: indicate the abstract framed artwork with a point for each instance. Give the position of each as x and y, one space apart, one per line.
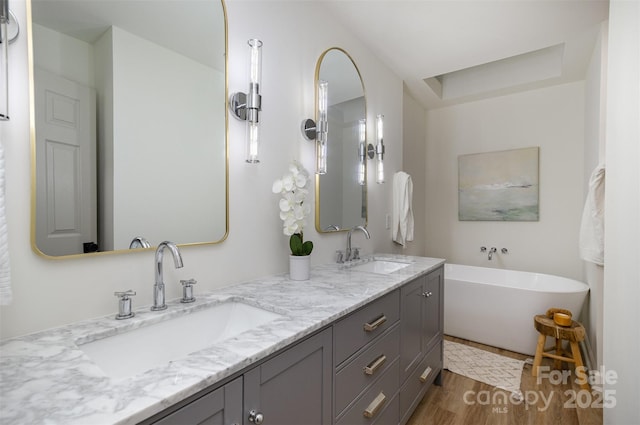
499 186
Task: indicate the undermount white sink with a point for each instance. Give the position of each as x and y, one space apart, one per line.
141 349
380 266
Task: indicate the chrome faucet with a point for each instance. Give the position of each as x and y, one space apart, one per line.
139 242
158 287
491 251
348 250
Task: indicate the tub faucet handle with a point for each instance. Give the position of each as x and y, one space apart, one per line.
504 250
483 249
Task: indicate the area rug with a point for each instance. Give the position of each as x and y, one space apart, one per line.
479 365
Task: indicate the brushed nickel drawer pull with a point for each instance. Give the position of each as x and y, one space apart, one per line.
375 406
372 367
370 327
425 374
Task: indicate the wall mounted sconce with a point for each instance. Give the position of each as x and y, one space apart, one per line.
9 30
318 131
247 106
380 149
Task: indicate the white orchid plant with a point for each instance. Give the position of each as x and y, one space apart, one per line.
293 208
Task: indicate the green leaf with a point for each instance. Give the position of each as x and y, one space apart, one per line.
295 243
307 247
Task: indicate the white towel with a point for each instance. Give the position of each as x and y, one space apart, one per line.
402 230
5 276
592 225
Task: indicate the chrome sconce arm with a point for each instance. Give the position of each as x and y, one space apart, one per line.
318 131
9 30
247 106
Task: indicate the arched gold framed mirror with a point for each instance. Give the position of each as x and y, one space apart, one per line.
341 193
129 124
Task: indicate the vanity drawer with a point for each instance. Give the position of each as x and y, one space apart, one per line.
362 326
374 404
420 379
366 368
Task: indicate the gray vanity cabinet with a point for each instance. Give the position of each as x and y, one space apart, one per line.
293 388
219 407
371 367
421 333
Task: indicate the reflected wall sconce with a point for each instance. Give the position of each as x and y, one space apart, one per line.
318 131
247 106
9 30
362 151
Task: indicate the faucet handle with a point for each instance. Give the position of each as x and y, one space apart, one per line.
124 304
187 290
355 253
483 249
339 256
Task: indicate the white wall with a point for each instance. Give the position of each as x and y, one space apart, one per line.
594 143
551 118
622 213
65 56
151 90
414 128
49 293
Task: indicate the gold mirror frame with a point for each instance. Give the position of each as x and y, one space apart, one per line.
326 227
32 117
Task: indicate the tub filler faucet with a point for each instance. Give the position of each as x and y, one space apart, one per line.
491 251
158 287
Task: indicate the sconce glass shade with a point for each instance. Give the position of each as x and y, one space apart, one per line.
4 43
247 106
380 149
254 100
322 127
362 151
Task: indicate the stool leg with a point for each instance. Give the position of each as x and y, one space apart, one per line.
577 358
538 357
557 364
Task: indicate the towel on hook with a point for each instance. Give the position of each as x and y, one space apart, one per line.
402 230
5 277
592 225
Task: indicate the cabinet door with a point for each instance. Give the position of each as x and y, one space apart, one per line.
294 387
434 308
411 326
220 407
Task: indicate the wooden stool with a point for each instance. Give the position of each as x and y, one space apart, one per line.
573 333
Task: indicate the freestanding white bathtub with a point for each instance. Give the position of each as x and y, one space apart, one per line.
496 307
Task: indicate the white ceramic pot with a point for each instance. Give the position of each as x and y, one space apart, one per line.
299 267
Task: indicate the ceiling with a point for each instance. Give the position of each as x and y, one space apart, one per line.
421 39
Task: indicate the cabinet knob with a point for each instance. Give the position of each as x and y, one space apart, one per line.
256 417
427 294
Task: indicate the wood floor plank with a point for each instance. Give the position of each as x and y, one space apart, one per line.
546 402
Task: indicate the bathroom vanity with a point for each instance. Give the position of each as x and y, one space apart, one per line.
349 346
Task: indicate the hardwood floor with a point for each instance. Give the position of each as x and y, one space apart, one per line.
463 401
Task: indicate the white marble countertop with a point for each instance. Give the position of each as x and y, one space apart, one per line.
46 378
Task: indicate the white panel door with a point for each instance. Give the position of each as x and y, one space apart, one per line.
66 209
